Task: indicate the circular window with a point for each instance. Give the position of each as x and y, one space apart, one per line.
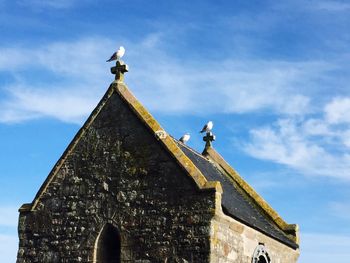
260 255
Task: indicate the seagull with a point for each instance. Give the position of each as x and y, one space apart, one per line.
207 127
185 138
117 55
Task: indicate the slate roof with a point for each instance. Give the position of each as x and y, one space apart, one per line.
235 201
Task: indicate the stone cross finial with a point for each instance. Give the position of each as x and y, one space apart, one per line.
119 69
208 138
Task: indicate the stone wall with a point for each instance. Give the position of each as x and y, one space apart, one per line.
118 174
232 241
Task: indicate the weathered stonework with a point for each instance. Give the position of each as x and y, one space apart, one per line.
126 191
119 174
232 241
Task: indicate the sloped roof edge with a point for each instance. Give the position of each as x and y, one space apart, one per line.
167 141
68 150
290 229
121 89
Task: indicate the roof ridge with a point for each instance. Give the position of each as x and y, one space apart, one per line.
166 140
232 199
222 170
191 149
69 149
290 229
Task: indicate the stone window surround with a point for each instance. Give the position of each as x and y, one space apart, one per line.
259 251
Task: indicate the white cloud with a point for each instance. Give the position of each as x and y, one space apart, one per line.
324 248
337 111
345 137
79 72
14 58
228 86
8 248
291 143
65 105
162 82
82 59
314 146
315 127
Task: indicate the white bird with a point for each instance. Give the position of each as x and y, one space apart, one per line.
207 127
117 55
185 138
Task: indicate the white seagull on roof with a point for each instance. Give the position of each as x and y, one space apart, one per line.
185 138
117 55
207 127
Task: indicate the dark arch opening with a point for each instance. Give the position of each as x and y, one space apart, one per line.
262 260
108 245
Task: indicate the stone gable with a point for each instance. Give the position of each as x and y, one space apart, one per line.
118 174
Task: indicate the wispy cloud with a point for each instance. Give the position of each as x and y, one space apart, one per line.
235 86
83 59
164 83
79 72
68 105
337 111
313 146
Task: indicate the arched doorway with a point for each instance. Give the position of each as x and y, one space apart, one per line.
107 247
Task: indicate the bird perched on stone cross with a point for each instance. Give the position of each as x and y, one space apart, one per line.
120 68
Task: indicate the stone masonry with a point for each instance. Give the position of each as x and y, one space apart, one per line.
125 191
118 174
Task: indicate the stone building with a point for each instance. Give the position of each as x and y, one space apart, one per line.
126 191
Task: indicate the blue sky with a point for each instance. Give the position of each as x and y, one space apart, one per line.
274 78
